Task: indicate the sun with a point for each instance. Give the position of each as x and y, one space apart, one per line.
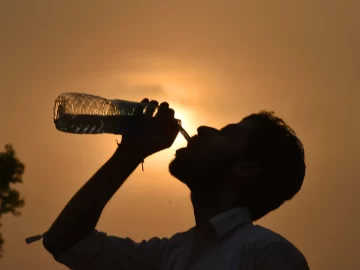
184 114
164 157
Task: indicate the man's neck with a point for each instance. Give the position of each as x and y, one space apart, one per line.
206 208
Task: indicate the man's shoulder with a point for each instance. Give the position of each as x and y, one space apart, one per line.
180 237
262 234
263 239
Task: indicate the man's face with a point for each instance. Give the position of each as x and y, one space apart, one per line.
205 162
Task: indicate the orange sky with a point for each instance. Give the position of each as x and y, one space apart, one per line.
215 61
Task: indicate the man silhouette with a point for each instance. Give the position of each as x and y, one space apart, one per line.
236 175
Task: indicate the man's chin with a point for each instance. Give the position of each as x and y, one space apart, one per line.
179 170
197 183
174 167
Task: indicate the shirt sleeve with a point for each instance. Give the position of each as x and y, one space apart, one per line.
280 256
100 251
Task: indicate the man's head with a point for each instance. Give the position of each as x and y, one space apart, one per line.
259 160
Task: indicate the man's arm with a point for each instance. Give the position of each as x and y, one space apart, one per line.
73 240
81 214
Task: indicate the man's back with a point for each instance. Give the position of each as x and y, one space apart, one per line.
230 241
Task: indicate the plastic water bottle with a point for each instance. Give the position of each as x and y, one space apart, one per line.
80 113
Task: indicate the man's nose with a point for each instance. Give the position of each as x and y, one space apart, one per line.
204 130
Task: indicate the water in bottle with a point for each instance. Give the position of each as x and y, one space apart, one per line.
80 113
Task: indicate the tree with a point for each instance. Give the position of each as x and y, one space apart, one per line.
11 172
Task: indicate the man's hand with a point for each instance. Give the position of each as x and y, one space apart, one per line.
149 134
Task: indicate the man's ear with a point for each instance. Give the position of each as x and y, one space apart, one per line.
245 169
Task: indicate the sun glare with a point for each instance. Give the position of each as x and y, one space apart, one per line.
186 116
183 114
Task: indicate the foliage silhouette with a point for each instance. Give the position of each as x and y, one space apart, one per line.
11 172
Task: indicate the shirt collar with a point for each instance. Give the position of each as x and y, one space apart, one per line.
226 221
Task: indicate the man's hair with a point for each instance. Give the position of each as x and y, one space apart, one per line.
275 147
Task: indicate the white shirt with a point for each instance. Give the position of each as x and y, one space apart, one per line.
232 242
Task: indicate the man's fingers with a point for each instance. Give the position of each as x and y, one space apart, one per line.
140 108
163 108
165 112
151 107
170 114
